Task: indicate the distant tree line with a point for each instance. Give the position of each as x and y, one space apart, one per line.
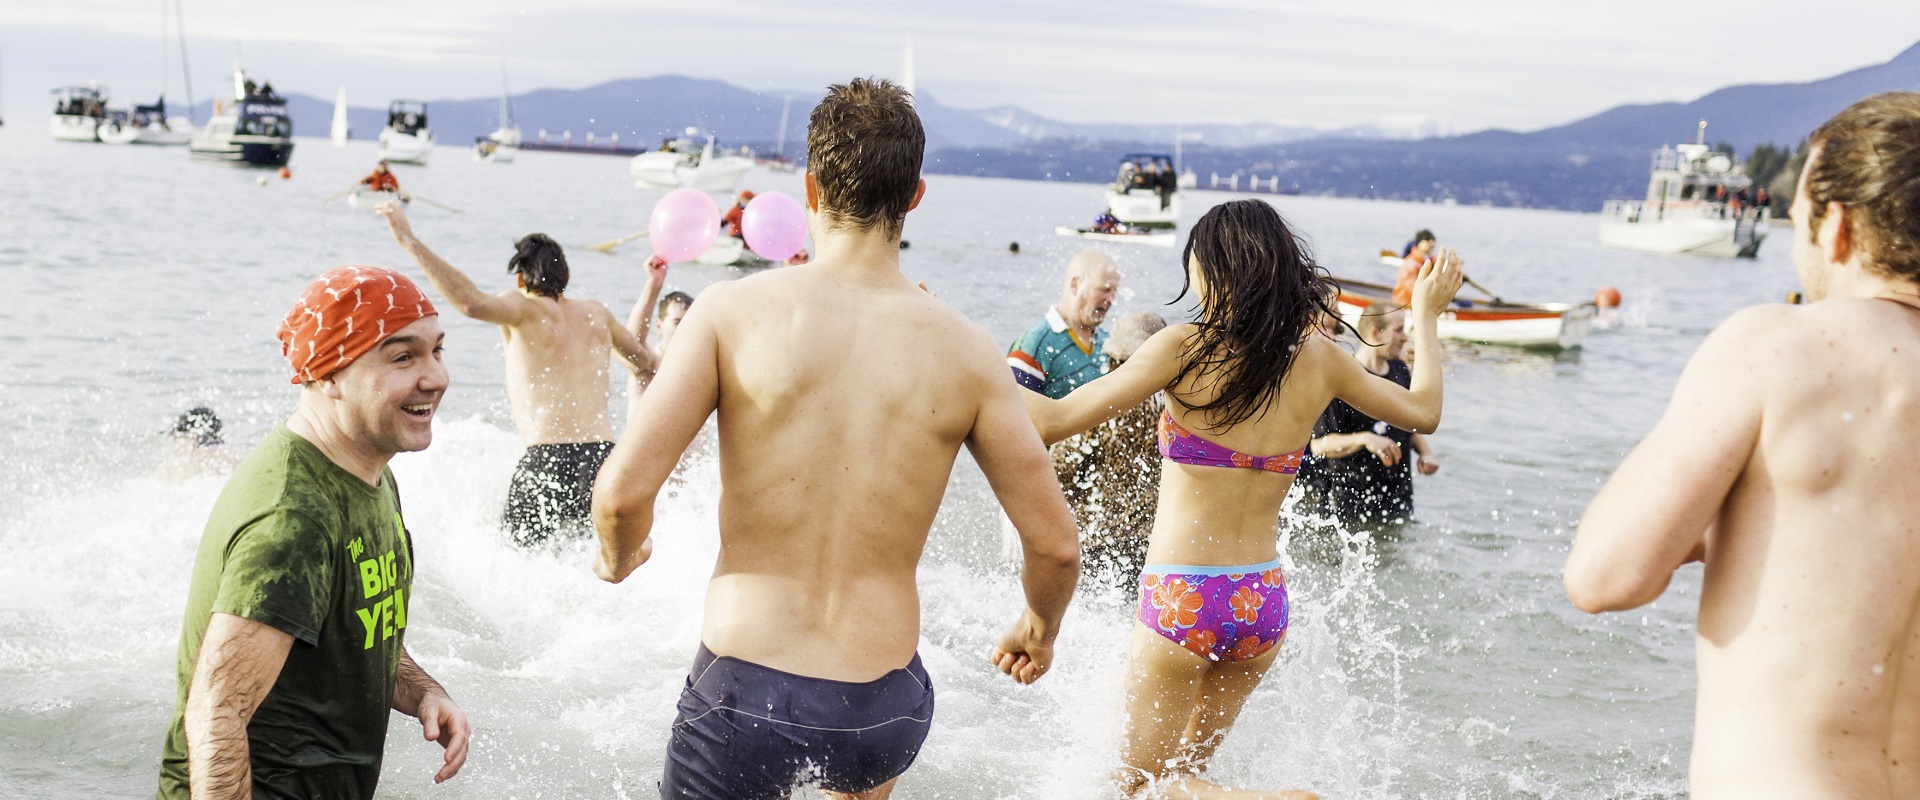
1777 169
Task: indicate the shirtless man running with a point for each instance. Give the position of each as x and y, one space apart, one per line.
557 352
833 460
1785 463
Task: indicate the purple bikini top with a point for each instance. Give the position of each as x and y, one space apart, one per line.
1179 445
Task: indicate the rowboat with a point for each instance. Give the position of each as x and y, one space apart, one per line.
1162 237
730 252
361 198
1553 325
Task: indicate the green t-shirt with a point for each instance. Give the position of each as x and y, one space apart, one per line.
302 545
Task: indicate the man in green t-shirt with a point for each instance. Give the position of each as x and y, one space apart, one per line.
291 653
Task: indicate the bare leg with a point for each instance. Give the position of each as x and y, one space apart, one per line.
881 792
1223 692
1164 683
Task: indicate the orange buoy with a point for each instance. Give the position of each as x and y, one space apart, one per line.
285 173
1607 297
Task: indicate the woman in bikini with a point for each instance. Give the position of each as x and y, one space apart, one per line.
1250 377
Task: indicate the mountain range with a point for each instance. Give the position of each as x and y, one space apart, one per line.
1573 166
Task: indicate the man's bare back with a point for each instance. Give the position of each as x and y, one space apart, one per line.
843 401
557 356
1785 463
1809 641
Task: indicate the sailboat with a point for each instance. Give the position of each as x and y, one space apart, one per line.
778 161
148 124
500 146
340 131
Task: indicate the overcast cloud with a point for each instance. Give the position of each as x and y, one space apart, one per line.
1463 64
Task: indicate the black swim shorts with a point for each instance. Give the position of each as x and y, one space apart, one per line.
747 732
552 492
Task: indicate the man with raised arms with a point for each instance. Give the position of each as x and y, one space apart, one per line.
291 653
838 432
557 351
1786 463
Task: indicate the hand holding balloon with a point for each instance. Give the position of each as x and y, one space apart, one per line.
684 224
775 226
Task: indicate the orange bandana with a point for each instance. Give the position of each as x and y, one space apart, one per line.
345 313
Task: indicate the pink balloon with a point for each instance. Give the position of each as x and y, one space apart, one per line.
775 226
684 224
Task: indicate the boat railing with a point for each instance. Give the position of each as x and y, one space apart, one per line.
1635 211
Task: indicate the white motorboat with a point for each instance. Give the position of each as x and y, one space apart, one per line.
500 146
683 162
1145 193
1549 325
406 139
1692 206
146 125
339 131
1154 237
78 112
254 131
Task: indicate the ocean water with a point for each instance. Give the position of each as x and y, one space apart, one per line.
1442 661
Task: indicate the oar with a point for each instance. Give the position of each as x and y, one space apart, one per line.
1470 282
608 245
443 206
339 194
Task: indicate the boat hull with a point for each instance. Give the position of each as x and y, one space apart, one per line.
666 171
177 132
406 148
1544 325
360 198
75 128
268 153
1162 238
1141 208
1699 237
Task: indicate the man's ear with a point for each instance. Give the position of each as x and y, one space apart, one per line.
329 388
813 192
1837 229
919 191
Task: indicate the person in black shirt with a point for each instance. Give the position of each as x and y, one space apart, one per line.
1359 469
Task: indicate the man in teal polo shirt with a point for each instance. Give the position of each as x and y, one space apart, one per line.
1063 351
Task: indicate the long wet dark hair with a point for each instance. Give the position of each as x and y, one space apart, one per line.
1266 293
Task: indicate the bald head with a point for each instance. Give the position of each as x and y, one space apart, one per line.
1092 280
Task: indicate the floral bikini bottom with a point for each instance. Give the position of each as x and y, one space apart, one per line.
1217 613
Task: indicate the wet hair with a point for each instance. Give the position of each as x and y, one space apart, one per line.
864 148
538 259
1132 331
1422 235
199 424
1374 318
1265 296
1870 162
670 300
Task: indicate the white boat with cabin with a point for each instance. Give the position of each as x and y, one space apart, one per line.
1690 207
146 125
1146 192
683 161
78 112
406 139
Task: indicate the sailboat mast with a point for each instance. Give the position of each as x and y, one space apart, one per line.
180 27
780 141
506 95
163 50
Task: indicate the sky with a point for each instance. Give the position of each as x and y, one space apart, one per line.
1453 66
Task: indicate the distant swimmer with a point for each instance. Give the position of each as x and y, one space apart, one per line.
381 179
1243 387
1062 350
1416 253
666 321
1359 469
292 653
1111 474
834 458
557 350
1785 463
195 447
